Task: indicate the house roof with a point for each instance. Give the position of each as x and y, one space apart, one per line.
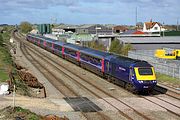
129 32
138 32
123 28
150 25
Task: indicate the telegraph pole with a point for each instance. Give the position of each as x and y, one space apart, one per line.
163 29
136 16
177 24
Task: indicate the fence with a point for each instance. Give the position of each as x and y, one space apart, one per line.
168 67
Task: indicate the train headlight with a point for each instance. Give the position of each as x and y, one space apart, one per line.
140 81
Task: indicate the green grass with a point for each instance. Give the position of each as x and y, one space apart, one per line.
162 78
3 75
22 88
9 113
27 113
5 57
5 62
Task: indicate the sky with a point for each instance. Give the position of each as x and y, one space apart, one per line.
122 12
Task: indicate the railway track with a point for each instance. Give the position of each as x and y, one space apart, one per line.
121 112
148 99
57 82
63 88
158 89
169 92
98 96
171 108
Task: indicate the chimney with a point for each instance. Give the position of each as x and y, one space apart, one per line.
151 20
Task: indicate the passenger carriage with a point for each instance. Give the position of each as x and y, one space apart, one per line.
72 52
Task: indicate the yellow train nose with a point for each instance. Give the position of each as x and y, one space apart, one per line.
145 73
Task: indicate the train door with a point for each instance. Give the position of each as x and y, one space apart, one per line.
107 66
130 74
128 85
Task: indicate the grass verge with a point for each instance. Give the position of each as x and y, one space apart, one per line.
5 57
18 113
168 80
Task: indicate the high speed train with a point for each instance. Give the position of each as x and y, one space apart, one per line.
133 74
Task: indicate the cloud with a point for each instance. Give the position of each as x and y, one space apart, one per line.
92 10
36 4
119 10
99 1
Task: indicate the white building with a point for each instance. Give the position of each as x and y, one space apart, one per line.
57 31
52 36
153 27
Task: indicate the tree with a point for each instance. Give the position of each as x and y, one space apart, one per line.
25 27
118 48
96 45
115 47
126 48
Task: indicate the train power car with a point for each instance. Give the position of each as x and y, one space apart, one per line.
134 74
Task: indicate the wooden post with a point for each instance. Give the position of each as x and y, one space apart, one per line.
14 94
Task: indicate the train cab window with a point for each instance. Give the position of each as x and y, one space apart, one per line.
145 71
169 54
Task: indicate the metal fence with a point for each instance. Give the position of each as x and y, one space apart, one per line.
168 67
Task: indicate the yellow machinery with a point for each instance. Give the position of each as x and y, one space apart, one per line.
168 54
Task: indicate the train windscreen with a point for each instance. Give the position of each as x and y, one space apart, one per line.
145 71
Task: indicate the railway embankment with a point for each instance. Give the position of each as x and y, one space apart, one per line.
27 83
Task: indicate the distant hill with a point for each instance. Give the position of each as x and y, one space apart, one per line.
3 25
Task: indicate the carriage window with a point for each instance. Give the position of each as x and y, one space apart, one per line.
84 57
41 41
36 40
71 52
91 59
57 47
49 44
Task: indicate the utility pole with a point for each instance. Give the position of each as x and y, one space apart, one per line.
177 24
163 29
54 20
136 18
